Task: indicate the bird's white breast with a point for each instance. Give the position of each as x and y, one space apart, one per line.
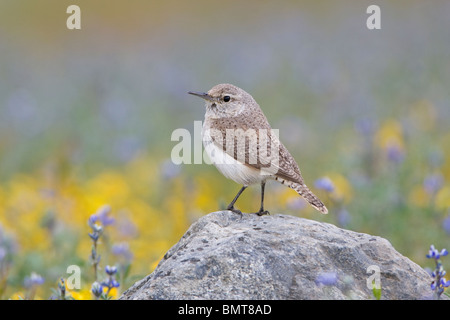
228 166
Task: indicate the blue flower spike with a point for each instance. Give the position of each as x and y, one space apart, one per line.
325 184
439 283
111 270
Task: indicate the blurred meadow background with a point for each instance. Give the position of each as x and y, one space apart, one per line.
86 118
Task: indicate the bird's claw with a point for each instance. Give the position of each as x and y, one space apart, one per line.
232 209
262 213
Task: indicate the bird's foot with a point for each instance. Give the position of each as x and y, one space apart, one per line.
262 212
232 209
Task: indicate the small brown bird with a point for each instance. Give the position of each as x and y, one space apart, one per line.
240 142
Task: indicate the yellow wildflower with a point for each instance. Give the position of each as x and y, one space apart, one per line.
443 198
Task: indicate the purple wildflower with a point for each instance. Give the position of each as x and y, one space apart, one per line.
97 289
122 249
103 215
365 126
432 183
395 153
433 253
296 203
33 280
327 279
111 270
439 283
324 183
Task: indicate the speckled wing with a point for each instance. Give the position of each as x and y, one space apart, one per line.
281 163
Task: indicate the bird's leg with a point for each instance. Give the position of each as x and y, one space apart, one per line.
231 205
261 211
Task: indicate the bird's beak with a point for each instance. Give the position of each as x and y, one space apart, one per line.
202 95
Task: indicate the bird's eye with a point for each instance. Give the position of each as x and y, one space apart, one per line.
226 98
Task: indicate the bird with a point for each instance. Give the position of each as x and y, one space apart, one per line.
237 137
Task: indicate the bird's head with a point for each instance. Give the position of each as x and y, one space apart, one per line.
225 100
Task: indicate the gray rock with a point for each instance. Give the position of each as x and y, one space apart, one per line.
224 256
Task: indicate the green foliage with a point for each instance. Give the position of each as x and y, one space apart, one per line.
376 293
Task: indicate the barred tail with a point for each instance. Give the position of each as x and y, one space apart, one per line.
304 191
310 197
